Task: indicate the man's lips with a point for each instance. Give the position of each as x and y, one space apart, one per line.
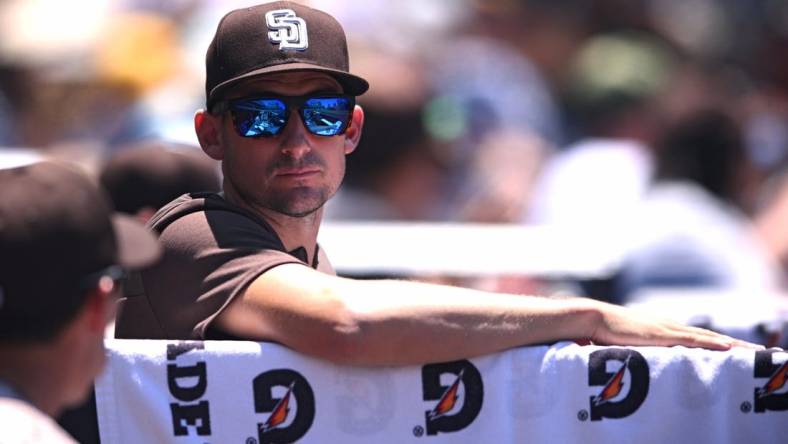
296 172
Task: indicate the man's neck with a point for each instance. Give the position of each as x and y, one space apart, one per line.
31 374
294 232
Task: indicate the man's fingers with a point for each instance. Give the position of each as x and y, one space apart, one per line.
695 337
745 344
623 328
733 342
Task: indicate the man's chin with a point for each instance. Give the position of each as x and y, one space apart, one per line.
301 214
301 203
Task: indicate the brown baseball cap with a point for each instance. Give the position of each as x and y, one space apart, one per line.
277 37
58 234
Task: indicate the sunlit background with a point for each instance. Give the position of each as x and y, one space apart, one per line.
657 126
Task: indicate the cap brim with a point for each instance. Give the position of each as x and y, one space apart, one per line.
137 246
351 84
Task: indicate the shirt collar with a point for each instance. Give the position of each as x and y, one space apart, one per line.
300 254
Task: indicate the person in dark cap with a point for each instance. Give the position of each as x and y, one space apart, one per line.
144 176
694 222
244 263
62 254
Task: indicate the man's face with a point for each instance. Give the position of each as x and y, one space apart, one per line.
83 341
295 172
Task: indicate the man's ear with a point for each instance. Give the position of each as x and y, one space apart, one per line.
144 214
353 132
207 127
98 308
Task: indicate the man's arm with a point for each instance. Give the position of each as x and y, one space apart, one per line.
387 322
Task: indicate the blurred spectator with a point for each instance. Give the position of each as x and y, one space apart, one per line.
142 177
771 220
545 32
394 174
614 81
60 253
498 84
397 171
591 184
495 126
691 229
501 175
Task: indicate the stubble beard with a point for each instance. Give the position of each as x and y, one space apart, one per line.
298 202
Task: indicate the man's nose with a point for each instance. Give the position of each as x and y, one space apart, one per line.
295 140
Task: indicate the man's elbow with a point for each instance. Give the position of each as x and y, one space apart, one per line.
347 340
332 332
322 323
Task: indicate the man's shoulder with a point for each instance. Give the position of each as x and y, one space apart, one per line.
210 205
199 220
20 422
195 203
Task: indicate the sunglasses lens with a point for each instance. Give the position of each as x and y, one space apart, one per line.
327 116
259 117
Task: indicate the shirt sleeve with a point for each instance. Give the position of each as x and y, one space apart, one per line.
209 258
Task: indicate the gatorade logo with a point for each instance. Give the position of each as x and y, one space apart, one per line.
187 384
623 390
458 403
291 414
773 394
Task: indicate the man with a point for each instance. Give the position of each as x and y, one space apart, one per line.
245 263
703 178
60 256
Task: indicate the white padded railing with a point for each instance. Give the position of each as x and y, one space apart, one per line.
470 249
247 392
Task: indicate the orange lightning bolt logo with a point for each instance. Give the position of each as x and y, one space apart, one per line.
448 400
776 382
613 387
279 414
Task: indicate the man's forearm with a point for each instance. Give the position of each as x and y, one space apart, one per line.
400 322
405 322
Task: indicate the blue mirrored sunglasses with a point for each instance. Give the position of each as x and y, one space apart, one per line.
322 115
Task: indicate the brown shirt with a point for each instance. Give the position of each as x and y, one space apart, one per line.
212 251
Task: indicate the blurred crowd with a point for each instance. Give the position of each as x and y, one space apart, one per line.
661 121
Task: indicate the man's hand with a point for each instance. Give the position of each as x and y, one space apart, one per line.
622 326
